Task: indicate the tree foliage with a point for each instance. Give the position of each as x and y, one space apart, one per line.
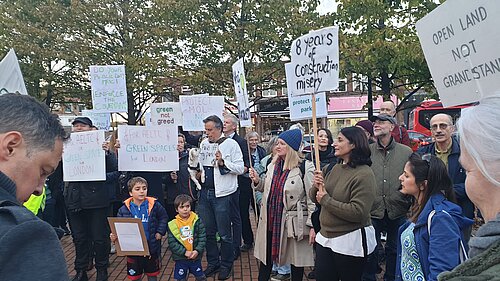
380 42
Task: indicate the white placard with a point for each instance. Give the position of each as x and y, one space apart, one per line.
149 149
241 92
315 60
166 113
109 90
147 119
207 153
198 107
101 120
129 236
84 158
301 107
460 40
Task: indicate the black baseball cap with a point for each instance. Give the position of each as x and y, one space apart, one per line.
383 117
83 120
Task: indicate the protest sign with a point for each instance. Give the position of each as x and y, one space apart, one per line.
152 149
198 107
166 113
147 119
460 41
83 157
241 92
101 120
109 90
301 107
315 60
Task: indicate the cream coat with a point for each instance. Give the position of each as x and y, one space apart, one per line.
295 248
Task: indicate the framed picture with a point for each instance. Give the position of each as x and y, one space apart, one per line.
131 237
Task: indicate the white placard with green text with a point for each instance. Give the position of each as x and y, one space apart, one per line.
83 157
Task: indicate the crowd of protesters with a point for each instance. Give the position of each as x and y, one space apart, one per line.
329 217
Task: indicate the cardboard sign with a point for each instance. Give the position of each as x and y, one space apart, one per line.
315 61
101 120
149 149
131 238
460 40
167 113
241 92
83 157
301 107
109 90
198 107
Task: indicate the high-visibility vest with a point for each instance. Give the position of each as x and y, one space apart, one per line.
35 203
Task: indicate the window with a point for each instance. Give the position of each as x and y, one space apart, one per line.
267 92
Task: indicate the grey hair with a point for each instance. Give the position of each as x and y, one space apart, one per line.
271 144
233 119
33 120
252 134
477 127
217 122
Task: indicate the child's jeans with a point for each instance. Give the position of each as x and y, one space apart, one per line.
184 267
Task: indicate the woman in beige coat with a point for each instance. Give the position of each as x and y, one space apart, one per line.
285 219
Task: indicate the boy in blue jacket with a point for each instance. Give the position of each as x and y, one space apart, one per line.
186 240
154 220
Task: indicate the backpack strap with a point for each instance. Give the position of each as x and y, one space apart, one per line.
221 140
463 252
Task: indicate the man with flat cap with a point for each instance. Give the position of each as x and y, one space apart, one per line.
390 206
87 204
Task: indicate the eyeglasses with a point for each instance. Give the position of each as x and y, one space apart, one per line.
442 126
427 158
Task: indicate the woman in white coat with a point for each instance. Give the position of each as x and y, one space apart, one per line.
285 219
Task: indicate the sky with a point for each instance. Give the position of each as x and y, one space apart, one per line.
327 6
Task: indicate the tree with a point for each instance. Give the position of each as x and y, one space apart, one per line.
380 42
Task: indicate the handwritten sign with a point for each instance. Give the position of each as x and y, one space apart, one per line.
460 41
198 107
151 149
207 153
84 158
301 106
101 120
315 60
241 92
167 113
109 90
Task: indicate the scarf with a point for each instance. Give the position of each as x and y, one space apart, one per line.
275 207
486 235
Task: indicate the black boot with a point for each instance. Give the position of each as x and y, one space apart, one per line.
80 276
102 274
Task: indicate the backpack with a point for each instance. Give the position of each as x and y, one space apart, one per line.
463 251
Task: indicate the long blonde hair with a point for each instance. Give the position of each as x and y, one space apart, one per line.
292 158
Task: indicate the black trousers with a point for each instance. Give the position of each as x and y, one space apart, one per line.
246 198
331 266
265 270
90 227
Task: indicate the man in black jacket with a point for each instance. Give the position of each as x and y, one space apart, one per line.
88 204
31 144
240 215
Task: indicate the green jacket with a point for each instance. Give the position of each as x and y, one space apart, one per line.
177 246
387 165
483 267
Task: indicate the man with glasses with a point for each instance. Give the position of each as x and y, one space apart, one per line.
389 209
447 148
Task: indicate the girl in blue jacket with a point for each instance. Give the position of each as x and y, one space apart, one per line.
431 241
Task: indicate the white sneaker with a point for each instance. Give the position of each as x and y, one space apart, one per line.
113 249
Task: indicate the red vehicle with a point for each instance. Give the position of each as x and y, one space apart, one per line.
420 117
418 139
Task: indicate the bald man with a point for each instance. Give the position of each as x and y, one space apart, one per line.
447 148
399 133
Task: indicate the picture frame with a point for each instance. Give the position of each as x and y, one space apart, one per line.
131 238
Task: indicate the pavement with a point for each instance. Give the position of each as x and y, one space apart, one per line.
245 268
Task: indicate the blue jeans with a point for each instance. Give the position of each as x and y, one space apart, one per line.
392 228
215 214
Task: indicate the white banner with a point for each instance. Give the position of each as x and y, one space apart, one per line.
198 107
11 77
315 60
460 39
101 120
149 149
166 113
301 107
109 90
241 92
84 158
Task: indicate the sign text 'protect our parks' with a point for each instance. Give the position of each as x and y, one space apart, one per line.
151 148
109 89
198 107
460 40
84 158
315 60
